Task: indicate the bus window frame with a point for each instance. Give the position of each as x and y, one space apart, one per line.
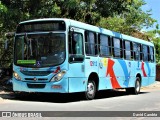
130 50
109 47
151 47
120 48
144 53
86 42
138 45
75 58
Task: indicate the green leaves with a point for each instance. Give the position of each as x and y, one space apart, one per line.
113 23
3 9
127 13
154 35
124 16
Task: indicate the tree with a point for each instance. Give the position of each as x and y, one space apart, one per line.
154 36
130 21
3 10
125 16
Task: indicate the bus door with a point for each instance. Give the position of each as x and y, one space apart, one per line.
76 60
91 51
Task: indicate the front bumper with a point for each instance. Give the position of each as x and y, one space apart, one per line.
46 87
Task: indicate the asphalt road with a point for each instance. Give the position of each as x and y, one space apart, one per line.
147 100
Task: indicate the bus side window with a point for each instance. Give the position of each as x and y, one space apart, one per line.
76 44
145 52
151 54
104 45
127 50
141 52
117 48
90 43
136 50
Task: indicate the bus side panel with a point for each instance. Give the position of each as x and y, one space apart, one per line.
133 72
144 81
91 65
77 80
76 70
123 72
104 81
136 69
146 73
77 84
115 72
151 73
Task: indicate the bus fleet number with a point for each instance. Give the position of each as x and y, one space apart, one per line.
93 63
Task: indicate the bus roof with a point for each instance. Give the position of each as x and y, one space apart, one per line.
93 28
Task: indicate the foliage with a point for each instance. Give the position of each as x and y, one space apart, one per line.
125 16
154 36
129 22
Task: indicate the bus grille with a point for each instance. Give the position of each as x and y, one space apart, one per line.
36 85
38 79
36 73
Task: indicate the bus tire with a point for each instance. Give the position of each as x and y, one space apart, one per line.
135 90
91 90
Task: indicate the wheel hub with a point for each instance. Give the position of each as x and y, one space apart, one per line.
90 89
138 86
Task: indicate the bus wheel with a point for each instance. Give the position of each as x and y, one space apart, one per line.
91 90
135 90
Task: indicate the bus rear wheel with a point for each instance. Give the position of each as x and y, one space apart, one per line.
135 90
91 90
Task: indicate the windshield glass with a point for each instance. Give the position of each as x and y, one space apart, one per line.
39 50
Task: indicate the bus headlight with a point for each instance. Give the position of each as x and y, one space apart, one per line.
59 76
15 75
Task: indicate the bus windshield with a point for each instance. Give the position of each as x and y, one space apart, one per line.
39 50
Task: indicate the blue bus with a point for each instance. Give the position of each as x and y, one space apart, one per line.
59 55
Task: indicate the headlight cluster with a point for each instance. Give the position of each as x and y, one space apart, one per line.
15 75
59 76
